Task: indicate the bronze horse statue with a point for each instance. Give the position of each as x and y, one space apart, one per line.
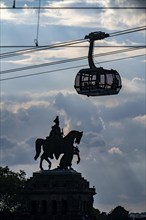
57 147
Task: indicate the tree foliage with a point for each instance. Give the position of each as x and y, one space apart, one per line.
119 213
97 215
11 186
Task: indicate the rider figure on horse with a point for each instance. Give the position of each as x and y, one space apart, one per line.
56 131
55 136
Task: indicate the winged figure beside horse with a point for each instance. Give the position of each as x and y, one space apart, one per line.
55 144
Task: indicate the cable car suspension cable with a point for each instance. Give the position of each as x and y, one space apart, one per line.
40 48
65 61
127 32
67 68
77 7
34 49
129 29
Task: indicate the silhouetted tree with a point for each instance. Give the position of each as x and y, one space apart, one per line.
119 213
95 215
103 216
11 186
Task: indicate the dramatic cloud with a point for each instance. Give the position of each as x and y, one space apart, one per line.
105 143
14 152
23 116
84 18
115 172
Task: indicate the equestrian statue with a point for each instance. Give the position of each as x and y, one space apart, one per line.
56 144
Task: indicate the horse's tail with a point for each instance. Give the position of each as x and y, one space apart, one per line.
38 144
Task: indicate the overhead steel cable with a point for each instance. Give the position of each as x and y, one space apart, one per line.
127 31
73 7
8 55
65 61
47 46
67 68
35 49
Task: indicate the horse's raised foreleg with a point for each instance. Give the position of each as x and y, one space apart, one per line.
76 152
78 156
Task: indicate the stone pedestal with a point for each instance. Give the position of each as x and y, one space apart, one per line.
59 195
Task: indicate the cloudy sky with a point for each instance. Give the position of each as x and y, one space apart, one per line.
113 145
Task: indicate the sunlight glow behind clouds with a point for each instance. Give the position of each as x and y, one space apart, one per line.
141 119
115 150
136 85
103 19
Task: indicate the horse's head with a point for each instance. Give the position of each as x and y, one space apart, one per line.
73 137
78 137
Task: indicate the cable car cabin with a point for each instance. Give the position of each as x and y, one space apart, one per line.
97 82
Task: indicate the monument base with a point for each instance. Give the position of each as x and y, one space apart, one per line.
58 195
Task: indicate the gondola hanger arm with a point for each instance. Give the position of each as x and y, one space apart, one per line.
92 37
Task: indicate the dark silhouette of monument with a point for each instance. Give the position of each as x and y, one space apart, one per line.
61 193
